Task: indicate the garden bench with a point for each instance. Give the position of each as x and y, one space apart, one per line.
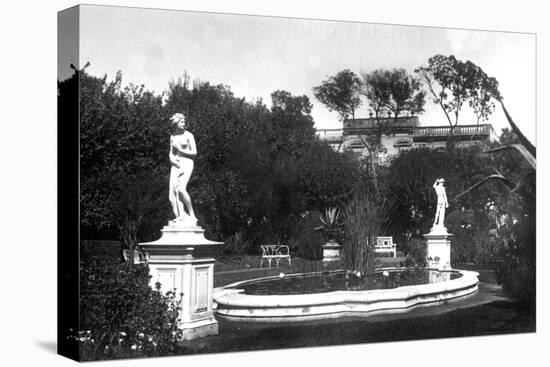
384 244
275 252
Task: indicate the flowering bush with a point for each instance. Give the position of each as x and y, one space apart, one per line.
121 316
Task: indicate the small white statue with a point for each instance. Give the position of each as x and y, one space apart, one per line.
182 152
439 187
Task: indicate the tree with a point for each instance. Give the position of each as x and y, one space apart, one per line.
482 95
409 181
123 166
394 92
452 83
136 202
340 93
256 170
391 93
328 178
298 105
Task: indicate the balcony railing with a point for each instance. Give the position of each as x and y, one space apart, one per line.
464 130
330 134
482 132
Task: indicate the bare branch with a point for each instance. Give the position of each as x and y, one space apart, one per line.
498 177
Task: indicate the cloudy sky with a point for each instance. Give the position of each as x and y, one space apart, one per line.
258 55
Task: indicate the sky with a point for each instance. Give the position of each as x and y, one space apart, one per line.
257 55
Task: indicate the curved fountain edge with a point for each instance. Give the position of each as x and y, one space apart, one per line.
234 305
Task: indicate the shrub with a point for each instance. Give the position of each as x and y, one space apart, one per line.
233 245
416 253
121 316
517 271
307 241
519 278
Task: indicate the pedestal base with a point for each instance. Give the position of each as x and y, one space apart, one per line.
181 261
438 249
199 329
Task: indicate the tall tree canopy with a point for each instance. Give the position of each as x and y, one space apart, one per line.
390 93
452 83
340 93
393 91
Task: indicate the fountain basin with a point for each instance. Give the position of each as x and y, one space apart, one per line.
234 305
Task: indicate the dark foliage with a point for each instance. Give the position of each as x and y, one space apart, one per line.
121 316
123 165
415 248
257 168
307 241
512 214
409 181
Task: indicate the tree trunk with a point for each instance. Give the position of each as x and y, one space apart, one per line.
526 143
451 144
371 159
373 170
128 234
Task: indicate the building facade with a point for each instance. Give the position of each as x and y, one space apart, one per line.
400 134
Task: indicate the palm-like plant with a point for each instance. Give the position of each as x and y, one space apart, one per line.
332 221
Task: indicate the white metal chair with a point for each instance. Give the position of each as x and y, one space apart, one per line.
275 252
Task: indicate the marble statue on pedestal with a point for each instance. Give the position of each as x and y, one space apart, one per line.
182 259
182 152
438 245
442 203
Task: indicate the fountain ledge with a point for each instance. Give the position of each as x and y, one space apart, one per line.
234 305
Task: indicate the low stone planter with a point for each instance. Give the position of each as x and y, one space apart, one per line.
331 251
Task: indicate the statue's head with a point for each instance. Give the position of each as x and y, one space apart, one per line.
441 181
178 119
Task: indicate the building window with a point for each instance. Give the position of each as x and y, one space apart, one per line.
402 144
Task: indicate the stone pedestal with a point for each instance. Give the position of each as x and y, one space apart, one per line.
182 260
331 251
438 248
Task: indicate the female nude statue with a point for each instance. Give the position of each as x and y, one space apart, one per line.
182 152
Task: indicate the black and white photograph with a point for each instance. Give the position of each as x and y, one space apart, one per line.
271 182
250 183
